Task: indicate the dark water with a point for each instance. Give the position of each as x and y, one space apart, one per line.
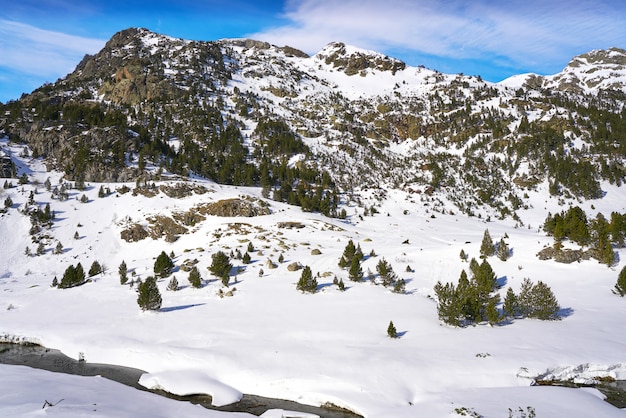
52 360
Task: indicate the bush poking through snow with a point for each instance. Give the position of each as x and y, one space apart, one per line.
391 330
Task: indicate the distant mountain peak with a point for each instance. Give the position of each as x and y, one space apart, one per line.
614 56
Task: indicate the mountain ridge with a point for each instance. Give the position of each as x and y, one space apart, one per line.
356 118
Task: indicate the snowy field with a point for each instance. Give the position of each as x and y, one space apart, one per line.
271 340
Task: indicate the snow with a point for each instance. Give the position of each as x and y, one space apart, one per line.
269 339
24 392
190 382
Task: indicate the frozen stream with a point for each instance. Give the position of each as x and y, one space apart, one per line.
53 360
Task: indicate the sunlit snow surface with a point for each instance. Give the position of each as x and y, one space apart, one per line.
271 340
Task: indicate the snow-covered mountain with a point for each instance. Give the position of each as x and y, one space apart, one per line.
157 144
354 117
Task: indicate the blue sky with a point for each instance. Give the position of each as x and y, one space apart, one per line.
41 41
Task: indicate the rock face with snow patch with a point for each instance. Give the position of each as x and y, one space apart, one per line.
354 61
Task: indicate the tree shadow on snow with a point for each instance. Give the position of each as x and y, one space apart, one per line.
565 312
501 281
180 307
323 285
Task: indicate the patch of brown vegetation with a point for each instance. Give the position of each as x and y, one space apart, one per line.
165 226
134 233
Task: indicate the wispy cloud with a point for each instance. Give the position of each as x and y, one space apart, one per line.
31 50
524 34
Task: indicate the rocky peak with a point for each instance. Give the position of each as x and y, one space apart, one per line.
352 60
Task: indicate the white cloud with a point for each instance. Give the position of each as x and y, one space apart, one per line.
529 33
28 49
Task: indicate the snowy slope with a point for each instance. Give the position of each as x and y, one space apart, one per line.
271 340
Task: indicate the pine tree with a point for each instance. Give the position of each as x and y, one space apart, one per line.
59 248
399 286
537 301
391 330
225 280
448 303
41 248
510 307
94 269
503 250
491 312
341 285
473 266
356 272
545 305
307 282
250 247
618 229
349 253
220 265
80 273
55 282
173 284
194 277
149 297
524 298
246 258
620 286
386 273
73 276
163 265
486 247
463 255
123 272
